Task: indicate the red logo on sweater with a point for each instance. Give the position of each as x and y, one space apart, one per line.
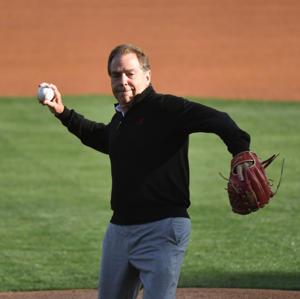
141 121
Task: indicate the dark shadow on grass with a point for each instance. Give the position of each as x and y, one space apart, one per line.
250 280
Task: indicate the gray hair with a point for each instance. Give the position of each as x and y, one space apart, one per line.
126 49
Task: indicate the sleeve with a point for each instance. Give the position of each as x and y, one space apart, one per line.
194 117
90 133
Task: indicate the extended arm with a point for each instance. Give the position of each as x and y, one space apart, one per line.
194 117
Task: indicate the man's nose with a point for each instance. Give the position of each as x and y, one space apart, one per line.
124 79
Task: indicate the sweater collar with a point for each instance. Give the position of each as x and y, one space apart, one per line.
139 97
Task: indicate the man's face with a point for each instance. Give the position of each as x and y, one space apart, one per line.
127 78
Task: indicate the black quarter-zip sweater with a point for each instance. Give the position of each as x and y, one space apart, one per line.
148 150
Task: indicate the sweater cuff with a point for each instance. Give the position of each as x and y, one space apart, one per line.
64 115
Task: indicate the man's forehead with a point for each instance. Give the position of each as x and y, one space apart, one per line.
125 62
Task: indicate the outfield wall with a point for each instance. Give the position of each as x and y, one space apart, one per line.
204 48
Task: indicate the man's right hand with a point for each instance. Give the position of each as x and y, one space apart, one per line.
55 105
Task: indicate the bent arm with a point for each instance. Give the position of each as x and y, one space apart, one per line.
92 134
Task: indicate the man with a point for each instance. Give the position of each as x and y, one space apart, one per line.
147 143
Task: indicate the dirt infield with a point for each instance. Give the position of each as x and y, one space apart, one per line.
204 48
182 293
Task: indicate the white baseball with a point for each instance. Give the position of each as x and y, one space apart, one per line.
45 94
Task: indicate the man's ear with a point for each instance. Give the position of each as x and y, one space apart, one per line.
148 76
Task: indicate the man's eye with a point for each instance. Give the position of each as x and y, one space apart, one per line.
130 75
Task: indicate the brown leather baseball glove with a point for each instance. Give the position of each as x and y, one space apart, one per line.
253 190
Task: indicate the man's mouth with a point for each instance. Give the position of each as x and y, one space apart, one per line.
126 90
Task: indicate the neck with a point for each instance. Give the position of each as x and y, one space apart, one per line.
125 108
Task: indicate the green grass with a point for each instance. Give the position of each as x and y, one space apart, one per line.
54 201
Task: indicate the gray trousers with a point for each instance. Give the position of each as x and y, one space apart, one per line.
148 255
